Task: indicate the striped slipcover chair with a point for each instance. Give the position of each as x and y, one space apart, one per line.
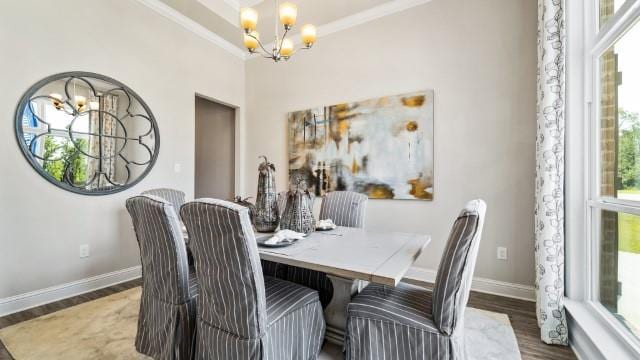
408 322
345 208
175 197
272 268
241 314
166 322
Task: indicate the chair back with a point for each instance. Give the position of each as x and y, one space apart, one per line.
175 197
455 272
163 254
345 208
232 292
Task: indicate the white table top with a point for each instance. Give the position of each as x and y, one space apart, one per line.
374 256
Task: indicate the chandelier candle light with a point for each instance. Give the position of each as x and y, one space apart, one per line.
282 47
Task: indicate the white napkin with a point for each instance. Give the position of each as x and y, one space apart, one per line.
284 236
326 224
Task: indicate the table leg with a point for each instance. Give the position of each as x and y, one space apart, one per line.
335 314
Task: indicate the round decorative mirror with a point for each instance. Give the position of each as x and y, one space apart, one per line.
87 133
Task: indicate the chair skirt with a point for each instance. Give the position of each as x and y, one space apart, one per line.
166 331
296 336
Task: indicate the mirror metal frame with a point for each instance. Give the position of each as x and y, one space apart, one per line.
24 102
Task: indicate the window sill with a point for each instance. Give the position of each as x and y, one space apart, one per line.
596 332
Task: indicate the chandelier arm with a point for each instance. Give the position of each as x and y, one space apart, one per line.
282 40
298 49
260 43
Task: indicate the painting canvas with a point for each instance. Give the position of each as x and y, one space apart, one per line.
380 147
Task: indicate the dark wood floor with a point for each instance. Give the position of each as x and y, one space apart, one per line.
521 313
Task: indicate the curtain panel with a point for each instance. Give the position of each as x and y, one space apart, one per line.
549 182
108 104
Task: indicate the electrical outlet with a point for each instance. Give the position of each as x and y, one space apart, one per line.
502 253
84 250
177 167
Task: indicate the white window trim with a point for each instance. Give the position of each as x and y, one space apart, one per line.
585 45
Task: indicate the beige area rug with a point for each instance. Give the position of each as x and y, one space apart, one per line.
100 329
105 329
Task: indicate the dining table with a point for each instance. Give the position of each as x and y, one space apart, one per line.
351 258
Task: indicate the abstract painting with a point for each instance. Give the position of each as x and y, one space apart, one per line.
380 147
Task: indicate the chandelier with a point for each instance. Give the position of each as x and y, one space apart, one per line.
282 47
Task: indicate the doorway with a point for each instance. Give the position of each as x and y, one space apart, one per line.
215 150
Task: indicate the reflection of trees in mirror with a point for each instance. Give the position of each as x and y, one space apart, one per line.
87 133
68 158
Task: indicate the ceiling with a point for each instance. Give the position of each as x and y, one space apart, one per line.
221 16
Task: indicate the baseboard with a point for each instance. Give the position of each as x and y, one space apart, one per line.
421 277
32 299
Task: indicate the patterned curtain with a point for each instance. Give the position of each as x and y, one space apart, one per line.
108 104
549 188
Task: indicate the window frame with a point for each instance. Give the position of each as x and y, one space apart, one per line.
597 41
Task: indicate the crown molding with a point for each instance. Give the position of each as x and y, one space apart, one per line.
356 19
235 4
365 16
245 3
182 20
226 9
229 9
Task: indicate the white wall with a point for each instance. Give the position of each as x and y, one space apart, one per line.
479 57
42 226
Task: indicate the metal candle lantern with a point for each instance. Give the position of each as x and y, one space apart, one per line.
266 211
298 214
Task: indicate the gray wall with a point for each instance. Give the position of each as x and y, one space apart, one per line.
42 226
215 155
480 58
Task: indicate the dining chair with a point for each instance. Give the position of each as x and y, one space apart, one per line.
241 313
345 208
175 197
407 322
166 322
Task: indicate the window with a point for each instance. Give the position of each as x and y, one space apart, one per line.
615 193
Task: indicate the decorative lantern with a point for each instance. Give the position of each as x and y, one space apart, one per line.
266 212
298 214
